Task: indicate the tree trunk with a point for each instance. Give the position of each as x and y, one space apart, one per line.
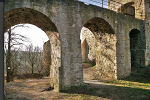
26 67
8 56
32 69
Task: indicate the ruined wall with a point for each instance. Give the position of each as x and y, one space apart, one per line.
142 11
55 60
105 51
106 56
129 11
127 4
69 17
46 58
85 51
91 41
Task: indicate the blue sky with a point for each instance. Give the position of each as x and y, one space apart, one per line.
96 2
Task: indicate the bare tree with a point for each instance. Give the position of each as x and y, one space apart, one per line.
25 64
12 40
39 59
31 56
15 62
35 58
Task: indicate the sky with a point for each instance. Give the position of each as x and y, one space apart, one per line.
96 2
37 36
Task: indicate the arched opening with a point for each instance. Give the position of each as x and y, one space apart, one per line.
136 49
104 41
22 37
127 9
27 15
88 42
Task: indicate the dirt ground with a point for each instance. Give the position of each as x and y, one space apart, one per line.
30 89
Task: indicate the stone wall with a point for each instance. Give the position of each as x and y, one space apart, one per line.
55 60
62 21
122 6
106 56
91 42
142 11
105 47
147 32
46 58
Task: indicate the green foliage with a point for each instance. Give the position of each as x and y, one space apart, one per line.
85 62
125 83
93 67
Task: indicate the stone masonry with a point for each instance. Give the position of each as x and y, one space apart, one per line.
62 21
88 55
85 51
46 58
147 32
141 11
131 7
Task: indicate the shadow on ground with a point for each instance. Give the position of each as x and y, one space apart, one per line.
141 75
110 92
138 78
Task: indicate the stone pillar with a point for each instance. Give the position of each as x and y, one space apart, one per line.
46 58
85 51
147 32
55 60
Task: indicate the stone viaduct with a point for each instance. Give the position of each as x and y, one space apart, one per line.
62 21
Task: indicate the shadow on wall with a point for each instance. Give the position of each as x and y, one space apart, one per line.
127 9
105 47
137 48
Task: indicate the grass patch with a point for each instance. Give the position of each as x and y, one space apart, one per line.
117 89
134 87
131 84
85 62
93 67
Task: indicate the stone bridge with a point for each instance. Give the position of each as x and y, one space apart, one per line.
63 20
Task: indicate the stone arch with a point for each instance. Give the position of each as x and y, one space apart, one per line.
27 15
106 64
127 9
136 49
